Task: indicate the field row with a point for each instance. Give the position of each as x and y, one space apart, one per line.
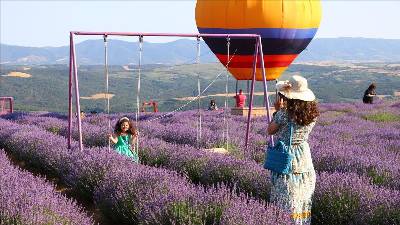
340 190
26 199
132 193
342 141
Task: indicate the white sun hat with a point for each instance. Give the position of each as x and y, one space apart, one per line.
296 88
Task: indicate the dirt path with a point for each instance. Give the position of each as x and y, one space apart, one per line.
18 74
99 96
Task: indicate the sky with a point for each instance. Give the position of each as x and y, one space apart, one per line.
47 23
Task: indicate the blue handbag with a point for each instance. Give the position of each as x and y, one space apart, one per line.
277 158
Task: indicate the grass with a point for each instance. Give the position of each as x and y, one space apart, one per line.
382 117
379 178
336 210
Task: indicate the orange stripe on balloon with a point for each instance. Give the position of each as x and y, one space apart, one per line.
247 73
246 61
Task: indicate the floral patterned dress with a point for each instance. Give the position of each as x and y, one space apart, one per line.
293 192
123 147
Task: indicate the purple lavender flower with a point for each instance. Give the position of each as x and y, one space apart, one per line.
26 199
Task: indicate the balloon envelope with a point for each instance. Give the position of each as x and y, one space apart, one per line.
285 26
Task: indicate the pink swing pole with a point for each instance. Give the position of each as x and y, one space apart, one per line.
164 34
266 99
11 104
253 81
73 72
258 52
71 43
77 96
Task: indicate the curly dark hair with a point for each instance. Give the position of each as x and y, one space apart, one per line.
372 86
302 112
131 130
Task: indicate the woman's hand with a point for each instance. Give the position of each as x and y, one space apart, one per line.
278 104
272 128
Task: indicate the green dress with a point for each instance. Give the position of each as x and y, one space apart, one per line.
123 147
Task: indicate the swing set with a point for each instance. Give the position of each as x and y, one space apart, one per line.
153 104
73 79
3 107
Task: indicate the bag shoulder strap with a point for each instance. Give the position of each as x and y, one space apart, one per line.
291 133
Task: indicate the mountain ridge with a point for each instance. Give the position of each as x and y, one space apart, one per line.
91 52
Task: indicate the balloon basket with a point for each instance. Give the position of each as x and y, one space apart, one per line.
255 111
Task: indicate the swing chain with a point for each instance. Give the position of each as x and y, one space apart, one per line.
138 92
226 132
194 99
199 130
107 100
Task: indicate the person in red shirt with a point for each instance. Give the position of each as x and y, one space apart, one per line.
155 106
240 99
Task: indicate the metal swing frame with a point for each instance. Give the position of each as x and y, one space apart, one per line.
10 101
73 73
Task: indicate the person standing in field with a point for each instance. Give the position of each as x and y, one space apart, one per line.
82 115
297 110
213 105
369 94
240 99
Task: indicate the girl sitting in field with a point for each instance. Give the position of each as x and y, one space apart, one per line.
124 139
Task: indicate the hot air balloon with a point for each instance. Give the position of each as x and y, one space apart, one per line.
285 26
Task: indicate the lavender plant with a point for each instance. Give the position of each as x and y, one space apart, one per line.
26 199
364 152
136 193
346 198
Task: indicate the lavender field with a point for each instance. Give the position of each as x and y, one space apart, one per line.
355 149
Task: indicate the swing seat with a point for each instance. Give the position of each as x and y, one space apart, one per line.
218 150
255 111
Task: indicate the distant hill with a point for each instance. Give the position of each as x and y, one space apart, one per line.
45 87
352 49
91 52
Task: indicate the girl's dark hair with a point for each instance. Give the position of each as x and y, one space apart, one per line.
302 112
372 86
131 130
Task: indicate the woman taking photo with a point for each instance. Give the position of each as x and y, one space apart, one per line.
296 114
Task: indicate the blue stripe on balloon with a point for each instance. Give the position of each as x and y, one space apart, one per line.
279 33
